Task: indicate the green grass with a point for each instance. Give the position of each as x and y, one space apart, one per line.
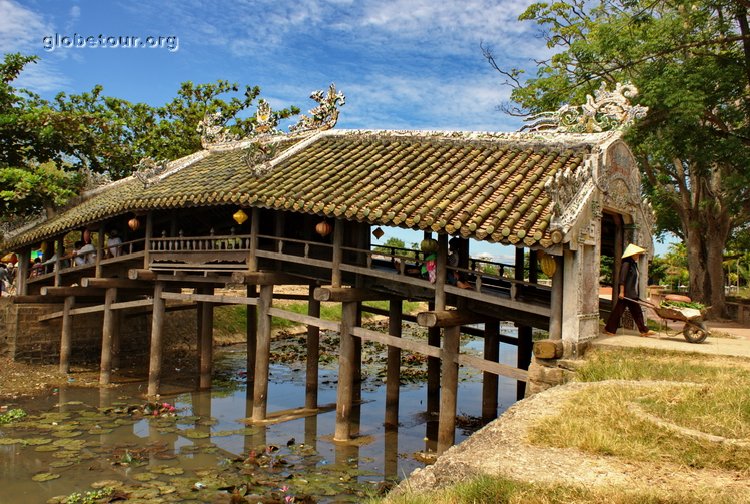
496 490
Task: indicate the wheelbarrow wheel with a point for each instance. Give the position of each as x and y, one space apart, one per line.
695 332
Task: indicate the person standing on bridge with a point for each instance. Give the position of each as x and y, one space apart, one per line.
628 293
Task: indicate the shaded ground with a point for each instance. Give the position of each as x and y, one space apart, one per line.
18 379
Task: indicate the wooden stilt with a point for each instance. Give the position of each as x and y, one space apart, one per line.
105 367
524 357
206 336
263 356
393 369
252 336
433 370
448 388
344 392
313 353
490 380
67 334
198 329
157 328
357 358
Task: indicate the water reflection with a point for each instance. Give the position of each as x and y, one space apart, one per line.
208 436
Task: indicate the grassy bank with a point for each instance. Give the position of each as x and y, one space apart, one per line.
685 411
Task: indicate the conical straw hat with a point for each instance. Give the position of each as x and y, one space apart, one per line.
632 250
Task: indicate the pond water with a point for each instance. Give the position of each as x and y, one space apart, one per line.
75 437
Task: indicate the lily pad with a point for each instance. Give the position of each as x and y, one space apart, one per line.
196 434
67 433
70 444
37 441
146 476
61 463
168 470
45 476
10 441
46 448
106 483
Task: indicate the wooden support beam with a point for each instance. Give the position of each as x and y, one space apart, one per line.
71 291
206 346
556 301
448 318
157 343
433 370
209 298
448 388
490 380
441 272
251 312
523 357
141 274
266 278
67 334
263 355
344 391
117 283
338 253
393 366
313 352
105 366
346 295
252 258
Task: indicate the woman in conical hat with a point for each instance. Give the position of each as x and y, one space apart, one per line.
627 293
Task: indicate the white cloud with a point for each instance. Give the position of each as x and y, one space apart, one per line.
21 29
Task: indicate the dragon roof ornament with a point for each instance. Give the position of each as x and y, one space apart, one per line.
606 110
325 115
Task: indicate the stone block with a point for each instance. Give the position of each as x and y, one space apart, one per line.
548 349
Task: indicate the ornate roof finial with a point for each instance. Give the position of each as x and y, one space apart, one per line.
213 132
325 115
605 111
265 121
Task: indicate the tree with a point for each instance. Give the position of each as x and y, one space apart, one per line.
50 149
691 63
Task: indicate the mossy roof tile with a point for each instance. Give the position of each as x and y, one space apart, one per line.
484 187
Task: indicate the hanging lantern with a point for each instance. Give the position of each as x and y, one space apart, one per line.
429 245
134 223
239 216
378 232
323 228
43 247
547 263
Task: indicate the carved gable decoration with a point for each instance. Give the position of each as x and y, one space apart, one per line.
619 179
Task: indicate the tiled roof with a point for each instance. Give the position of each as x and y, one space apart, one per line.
485 186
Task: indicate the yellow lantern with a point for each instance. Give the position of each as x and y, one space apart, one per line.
239 216
547 262
323 228
134 223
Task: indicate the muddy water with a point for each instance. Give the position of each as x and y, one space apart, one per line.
76 438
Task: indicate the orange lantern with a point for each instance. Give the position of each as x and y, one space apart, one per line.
134 223
323 228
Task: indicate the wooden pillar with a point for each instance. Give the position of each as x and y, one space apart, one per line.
252 335
99 253
433 369
157 329
533 267
448 388
338 241
556 301
490 380
393 368
207 347
344 392
67 334
252 258
263 356
22 272
147 244
441 273
523 357
105 366
518 273
313 352
198 329
619 248
60 251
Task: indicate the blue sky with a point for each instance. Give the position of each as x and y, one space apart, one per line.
402 64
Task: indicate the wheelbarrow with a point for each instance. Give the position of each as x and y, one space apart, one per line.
694 331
